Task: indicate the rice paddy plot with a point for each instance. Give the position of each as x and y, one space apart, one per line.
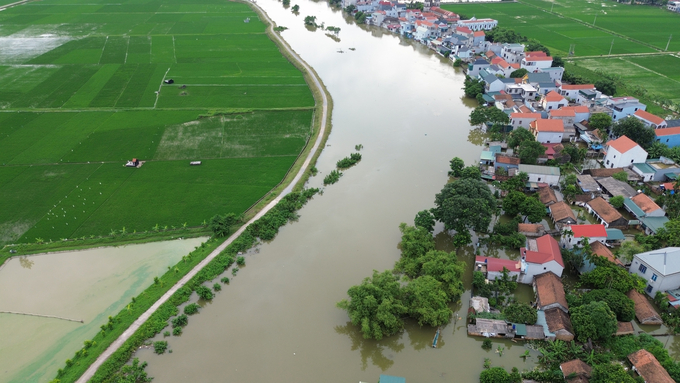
654 73
83 93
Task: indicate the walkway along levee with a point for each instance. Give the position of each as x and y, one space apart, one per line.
89 373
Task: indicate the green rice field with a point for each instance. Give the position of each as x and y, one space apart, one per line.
83 92
648 27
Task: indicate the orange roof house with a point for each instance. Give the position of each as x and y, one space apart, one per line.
543 125
650 119
649 368
622 144
550 292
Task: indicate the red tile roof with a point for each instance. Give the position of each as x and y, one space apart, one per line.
535 116
464 30
644 311
590 231
667 131
538 58
604 210
548 250
479 33
602 250
622 144
542 125
645 203
649 367
503 159
649 117
497 264
577 109
577 86
561 211
563 112
553 96
576 367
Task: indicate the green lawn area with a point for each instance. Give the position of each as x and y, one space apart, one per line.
84 92
558 30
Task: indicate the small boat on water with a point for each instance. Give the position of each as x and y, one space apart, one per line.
436 338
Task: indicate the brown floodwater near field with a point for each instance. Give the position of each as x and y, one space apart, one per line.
86 285
277 320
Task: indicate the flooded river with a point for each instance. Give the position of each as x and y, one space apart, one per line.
277 320
84 285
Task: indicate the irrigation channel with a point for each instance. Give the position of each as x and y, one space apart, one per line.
277 320
87 285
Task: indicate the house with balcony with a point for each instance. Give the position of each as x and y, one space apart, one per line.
650 120
521 91
553 100
513 53
623 107
535 61
479 24
571 91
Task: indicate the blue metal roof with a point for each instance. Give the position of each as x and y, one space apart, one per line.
615 235
391 379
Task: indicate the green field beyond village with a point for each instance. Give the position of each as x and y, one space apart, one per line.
633 29
83 92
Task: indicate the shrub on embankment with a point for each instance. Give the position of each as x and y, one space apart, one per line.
265 228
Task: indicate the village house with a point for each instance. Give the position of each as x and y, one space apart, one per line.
651 216
644 311
540 256
531 230
541 174
493 267
645 171
547 131
513 53
571 92
479 24
660 268
623 152
649 368
522 120
614 187
606 213
574 234
624 328
650 120
623 107
668 136
673 6
576 371
524 92
491 82
541 81
553 100
535 61
547 196
559 324
476 66
581 112
566 116
555 73
601 250
587 183
506 162
664 168
549 292
562 214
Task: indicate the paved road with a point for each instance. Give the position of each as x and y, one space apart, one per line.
2 8
322 130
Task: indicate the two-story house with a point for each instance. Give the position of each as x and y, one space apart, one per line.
623 107
553 100
650 120
547 131
660 268
623 152
540 256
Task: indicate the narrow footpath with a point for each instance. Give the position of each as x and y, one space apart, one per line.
322 130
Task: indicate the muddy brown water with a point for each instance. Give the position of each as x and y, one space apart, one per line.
86 285
277 320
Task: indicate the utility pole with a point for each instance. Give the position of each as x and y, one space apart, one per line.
595 20
610 47
669 42
551 7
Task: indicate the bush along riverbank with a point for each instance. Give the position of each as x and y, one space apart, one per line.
345 163
264 228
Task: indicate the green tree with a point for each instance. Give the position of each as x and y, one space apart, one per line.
658 149
629 249
512 203
610 276
520 313
610 372
220 225
132 373
601 122
534 46
533 209
415 242
634 129
473 87
445 268
471 172
519 73
503 35
621 176
529 151
286 3
425 219
160 346
457 166
310 20
622 306
593 321
463 204
488 114
376 305
670 232
518 136
617 201
427 302
494 375
295 9
576 154
606 86
557 62
517 182
205 293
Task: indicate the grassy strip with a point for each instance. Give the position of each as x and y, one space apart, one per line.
76 366
265 228
90 243
622 88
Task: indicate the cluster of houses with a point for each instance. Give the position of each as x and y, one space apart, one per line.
673 6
